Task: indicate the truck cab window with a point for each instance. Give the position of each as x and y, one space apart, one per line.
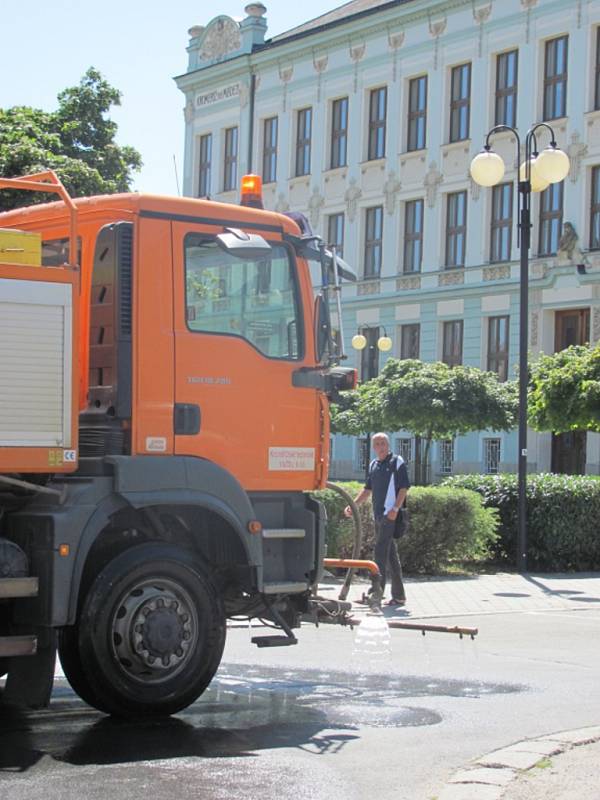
255 299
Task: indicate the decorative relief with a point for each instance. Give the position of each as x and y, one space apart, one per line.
454 277
474 187
222 36
282 205
351 197
432 181
407 284
539 270
395 42
499 273
357 51
315 204
481 15
285 76
390 190
320 61
534 321
595 325
527 6
576 151
436 29
188 111
369 287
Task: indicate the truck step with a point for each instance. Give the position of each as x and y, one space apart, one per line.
285 587
17 646
18 587
274 641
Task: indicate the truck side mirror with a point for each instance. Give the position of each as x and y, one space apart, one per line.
322 328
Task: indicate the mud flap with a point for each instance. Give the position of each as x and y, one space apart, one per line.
30 679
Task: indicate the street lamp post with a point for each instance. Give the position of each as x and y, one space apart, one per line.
384 345
535 174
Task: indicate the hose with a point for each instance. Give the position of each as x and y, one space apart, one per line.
358 536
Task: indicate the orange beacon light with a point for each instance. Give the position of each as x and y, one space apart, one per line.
252 191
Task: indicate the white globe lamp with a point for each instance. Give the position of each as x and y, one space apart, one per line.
552 164
384 343
538 184
487 168
359 342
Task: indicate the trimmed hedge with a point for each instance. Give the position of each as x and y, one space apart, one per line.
446 526
563 518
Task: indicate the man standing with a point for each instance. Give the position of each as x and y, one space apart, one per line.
388 484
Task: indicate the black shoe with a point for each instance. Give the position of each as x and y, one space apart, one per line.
395 601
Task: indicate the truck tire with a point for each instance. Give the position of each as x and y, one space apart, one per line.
151 633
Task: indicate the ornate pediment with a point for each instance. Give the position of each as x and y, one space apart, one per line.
221 38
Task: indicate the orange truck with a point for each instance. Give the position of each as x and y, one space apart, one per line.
165 373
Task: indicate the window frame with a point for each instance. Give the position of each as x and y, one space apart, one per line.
450 350
500 224
595 207
597 72
454 232
416 114
407 330
412 237
370 353
373 245
503 92
497 358
488 443
331 240
377 123
458 103
269 159
303 141
205 165
230 158
339 132
551 82
547 218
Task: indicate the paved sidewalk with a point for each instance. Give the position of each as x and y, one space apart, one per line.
502 593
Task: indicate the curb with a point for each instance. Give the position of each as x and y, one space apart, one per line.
488 777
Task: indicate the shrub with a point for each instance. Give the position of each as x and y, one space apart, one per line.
563 512
446 525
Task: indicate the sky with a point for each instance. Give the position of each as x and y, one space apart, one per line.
138 46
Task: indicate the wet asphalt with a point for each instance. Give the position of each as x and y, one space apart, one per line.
320 720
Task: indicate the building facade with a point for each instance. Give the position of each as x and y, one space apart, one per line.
366 119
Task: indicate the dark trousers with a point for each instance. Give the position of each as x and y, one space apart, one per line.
386 554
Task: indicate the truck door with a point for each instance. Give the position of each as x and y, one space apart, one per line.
239 336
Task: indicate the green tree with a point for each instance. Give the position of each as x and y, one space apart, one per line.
430 400
564 391
77 141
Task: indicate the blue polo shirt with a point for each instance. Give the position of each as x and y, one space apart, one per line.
384 484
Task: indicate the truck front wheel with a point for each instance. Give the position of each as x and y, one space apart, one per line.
151 632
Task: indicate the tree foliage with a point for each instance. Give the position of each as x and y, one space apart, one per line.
77 141
564 391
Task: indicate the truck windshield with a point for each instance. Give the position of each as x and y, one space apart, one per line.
255 299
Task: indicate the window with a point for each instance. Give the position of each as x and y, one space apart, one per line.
491 456
377 112
363 452
262 298
413 236
339 133
453 343
555 78
595 210
446 452
404 450
597 72
303 141
373 241
497 349
269 174
460 102
335 233
417 113
551 212
501 234
456 229
369 355
231 154
204 167
410 336
506 88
